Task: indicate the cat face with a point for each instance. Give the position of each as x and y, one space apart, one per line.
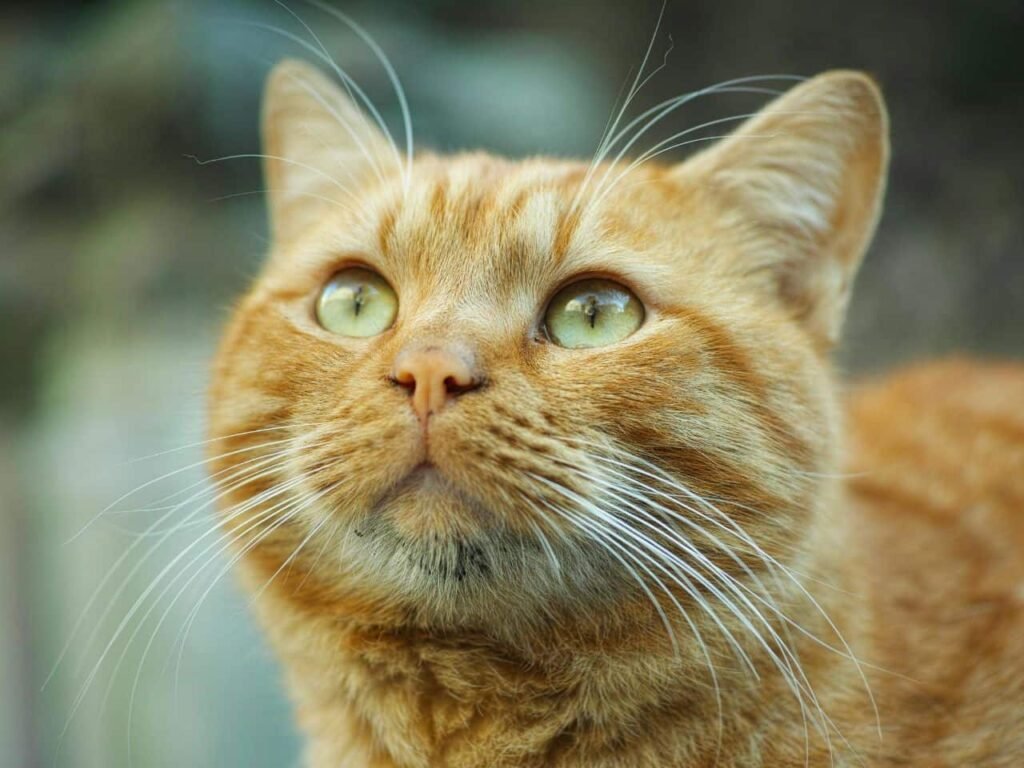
468 388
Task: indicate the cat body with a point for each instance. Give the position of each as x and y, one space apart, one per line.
475 543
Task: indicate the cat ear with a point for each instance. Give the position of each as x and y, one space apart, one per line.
807 175
318 147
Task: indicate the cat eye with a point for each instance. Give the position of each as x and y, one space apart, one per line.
357 302
592 313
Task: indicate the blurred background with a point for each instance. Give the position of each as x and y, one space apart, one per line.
120 255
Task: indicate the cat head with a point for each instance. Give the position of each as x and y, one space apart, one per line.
466 390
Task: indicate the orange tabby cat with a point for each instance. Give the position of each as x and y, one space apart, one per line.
541 463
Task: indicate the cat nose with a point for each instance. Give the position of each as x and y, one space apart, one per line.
433 375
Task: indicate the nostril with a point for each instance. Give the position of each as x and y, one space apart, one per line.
457 386
404 379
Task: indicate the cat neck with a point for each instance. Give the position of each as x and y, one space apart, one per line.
372 695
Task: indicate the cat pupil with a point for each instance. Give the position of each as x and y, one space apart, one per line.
358 299
590 310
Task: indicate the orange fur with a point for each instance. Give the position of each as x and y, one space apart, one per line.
475 618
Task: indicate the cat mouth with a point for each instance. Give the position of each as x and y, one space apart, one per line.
426 502
425 468
434 525
425 479
425 475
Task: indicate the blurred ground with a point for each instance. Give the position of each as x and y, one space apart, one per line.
119 255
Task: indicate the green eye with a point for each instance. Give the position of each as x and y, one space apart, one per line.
593 313
357 302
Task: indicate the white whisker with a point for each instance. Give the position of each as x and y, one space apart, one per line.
610 520
247 477
617 116
389 70
353 89
284 512
161 478
655 114
245 470
262 156
730 525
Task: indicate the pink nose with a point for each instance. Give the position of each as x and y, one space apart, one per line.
433 375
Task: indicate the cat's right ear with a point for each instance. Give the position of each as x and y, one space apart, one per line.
318 146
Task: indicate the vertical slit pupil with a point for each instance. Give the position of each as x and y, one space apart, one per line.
358 299
590 310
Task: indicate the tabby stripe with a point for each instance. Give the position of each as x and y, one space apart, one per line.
734 363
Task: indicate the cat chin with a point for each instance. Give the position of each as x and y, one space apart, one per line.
430 535
452 563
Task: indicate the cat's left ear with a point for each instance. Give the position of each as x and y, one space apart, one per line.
806 176
318 148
